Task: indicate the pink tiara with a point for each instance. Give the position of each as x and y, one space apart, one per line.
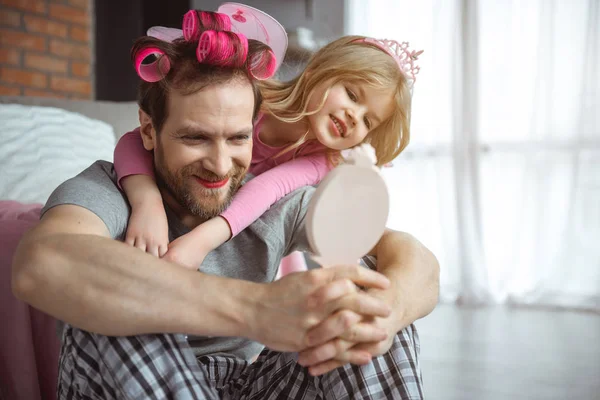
401 53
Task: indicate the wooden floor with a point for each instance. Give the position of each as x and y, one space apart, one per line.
510 353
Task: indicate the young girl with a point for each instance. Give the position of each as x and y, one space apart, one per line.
354 90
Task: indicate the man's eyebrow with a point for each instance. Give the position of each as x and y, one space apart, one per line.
247 131
191 131
198 132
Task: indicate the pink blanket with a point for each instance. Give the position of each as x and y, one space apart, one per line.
29 347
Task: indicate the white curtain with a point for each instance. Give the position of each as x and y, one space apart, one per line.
502 176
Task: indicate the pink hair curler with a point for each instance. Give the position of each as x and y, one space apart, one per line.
219 48
249 21
263 65
155 70
205 44
215 20
193 20
190 25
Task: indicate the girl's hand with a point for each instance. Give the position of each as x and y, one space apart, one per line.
190 249
186 251
148 229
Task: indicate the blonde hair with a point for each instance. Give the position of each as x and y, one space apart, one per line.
345 60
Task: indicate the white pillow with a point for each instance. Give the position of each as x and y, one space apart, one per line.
41 147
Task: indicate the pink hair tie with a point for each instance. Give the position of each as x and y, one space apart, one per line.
155 70
400 53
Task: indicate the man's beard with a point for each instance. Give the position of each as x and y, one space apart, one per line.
206 204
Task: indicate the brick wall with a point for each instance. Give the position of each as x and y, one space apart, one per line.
46 48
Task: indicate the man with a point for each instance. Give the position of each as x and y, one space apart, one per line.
125 310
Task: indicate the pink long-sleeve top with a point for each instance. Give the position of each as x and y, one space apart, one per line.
275 177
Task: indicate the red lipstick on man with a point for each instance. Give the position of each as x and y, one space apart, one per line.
212 184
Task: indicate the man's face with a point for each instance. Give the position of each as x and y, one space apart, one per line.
205 147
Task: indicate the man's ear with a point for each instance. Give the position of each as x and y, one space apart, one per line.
147 130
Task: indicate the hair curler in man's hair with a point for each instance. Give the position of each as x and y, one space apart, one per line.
214 45
226 49
262 62
151 59
197 21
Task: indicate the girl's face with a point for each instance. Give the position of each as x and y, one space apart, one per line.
349 113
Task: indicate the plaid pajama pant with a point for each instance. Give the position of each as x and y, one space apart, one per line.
164 367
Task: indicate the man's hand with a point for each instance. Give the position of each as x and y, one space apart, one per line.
344 346
286 310
413 293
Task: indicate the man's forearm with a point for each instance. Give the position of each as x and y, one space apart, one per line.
107 287
414 274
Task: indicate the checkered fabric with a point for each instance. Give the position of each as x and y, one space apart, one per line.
164 367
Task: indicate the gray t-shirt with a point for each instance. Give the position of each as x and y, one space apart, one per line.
254 254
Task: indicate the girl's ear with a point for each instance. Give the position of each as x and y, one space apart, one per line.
147 130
